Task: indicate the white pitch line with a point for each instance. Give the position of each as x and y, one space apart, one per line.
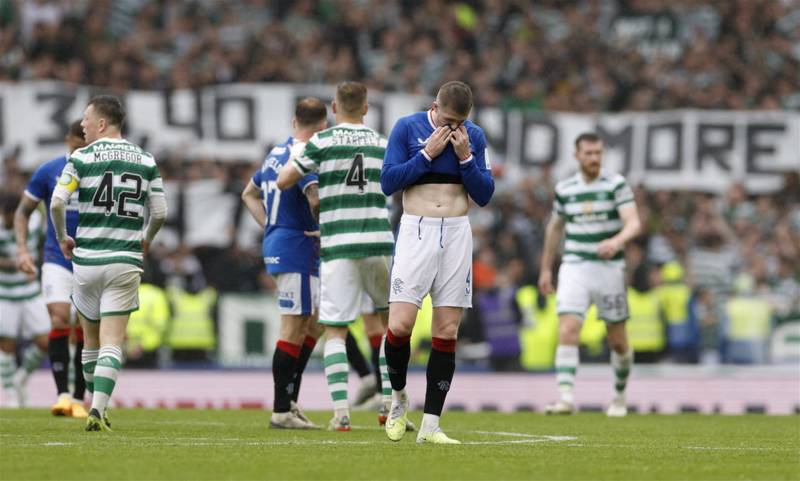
206 441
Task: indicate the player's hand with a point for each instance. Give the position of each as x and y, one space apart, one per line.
609 248
25 263
437 141
545 282
460 140
311 233
297 150
67 246
145 247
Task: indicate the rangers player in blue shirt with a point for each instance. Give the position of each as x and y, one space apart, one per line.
291 255
56 275
438 160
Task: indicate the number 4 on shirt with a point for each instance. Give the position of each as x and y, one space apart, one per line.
355 176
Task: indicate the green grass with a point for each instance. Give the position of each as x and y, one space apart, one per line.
200 445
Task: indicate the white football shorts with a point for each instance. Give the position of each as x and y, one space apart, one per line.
56 283
298 294
105 290
345 281
603 283
24 319
433 255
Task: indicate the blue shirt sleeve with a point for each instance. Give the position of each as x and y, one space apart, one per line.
399 170
475 175
38 186
257 179
308 180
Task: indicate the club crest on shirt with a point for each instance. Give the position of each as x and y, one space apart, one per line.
397 285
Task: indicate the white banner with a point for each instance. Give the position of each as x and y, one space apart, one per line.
688 149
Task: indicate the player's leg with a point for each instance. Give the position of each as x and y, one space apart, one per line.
58 353
439 373
336 373
612 307
91 348
621 362
56 287
370 378
8 362
339 302
313 331
360 365
294 306
86 299
375 328
109 363
566 363
412 275
450 295
572 300
79 390
10 320
35 326
119 297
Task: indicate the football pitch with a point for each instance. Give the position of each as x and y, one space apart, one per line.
225 444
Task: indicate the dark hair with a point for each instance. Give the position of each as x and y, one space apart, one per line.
590 137
110 108
310 111
351 96
455 96
76 130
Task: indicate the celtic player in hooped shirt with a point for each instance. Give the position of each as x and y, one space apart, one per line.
597 211
117 182
356 239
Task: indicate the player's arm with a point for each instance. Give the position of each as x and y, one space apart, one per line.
67 184
399 168
301 163
311 190
552 239
475 173
21 218
631 225
251 196
157 206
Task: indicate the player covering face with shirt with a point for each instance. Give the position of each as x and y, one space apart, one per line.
438 160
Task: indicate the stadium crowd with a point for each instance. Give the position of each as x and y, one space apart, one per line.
742 54
699 252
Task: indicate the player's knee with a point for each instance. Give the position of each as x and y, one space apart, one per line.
448 333
402 317
618 344
59 316
59 322
41 342
569 330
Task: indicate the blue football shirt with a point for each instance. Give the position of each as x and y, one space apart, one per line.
285 247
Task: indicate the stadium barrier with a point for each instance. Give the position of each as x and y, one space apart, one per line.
653 389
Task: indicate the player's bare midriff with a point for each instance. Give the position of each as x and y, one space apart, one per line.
436 200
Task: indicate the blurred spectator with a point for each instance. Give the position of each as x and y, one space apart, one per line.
147 328
739 54
501 318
